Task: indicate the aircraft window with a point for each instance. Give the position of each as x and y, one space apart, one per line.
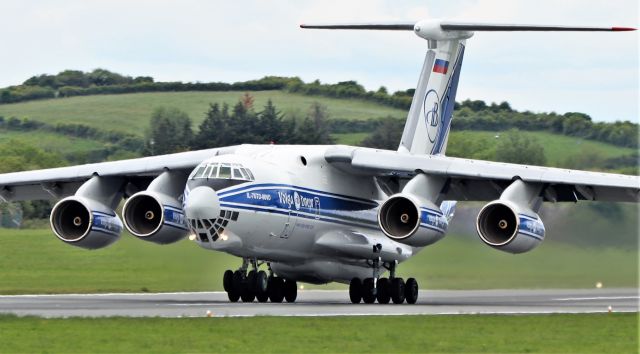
214 171
200 172
237 174
240 173
225 171
249 174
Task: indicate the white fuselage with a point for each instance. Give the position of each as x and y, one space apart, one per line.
311 221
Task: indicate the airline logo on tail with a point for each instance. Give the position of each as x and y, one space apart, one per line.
432 113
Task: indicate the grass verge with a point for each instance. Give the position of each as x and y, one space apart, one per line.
558 333
35 261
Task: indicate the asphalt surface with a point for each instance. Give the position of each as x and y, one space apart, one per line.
323 303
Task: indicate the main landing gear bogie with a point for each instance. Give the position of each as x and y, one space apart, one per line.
257 285
384 290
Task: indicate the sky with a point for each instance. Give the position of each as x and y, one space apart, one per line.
215 40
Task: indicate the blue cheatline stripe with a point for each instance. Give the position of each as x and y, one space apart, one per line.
244 188
525 216
182 226
433 211
294 213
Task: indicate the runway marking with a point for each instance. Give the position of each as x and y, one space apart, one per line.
598 298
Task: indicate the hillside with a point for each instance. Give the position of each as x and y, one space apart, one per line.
130 112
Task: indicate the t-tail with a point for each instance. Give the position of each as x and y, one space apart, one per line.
426 130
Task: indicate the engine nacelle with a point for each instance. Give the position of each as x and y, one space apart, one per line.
508 227
155 217
85 223
409 219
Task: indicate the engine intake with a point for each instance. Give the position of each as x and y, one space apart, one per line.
408 219
506 226
154 217
85 223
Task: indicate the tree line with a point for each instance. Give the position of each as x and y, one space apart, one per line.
170 130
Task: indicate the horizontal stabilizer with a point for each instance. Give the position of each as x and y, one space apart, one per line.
462 26
406 26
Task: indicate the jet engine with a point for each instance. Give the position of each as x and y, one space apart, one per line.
408 219
510 224
87 219
156 214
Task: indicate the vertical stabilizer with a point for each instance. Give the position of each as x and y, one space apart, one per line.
429 119
427 128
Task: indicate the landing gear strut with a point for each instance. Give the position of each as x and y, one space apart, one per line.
257 285
384 290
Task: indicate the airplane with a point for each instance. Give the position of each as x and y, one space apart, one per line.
321 214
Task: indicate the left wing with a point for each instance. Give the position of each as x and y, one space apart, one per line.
58 182
479 180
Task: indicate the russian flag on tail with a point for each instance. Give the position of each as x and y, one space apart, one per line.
441 66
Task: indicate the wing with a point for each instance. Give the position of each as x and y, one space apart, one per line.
478 180
59 182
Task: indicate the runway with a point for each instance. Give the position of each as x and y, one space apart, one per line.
322 303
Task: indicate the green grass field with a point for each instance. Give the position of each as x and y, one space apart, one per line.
588 333
51 141
557 148
35 261
131 112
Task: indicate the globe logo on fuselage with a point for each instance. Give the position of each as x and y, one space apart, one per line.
296 200
431 111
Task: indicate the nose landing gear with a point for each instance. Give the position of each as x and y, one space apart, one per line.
256 284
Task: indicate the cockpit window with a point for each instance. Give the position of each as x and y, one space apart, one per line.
222 171
214 171
199 172
225 171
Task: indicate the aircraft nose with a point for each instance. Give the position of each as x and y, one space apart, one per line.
202 206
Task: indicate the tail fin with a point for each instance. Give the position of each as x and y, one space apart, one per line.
427 128
429 119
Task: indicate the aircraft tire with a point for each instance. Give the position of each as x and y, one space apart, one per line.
355 291
262 282
411 291
383 294
276 289
368 297
238 282
227 280
251 281
262 297
290 290
397 290
233 296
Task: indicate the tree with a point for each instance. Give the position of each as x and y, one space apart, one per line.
273 127
170 131
214 128
315 128
387 135
516 147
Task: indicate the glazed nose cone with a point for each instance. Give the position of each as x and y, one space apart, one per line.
202 203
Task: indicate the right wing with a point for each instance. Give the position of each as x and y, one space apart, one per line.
480 180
